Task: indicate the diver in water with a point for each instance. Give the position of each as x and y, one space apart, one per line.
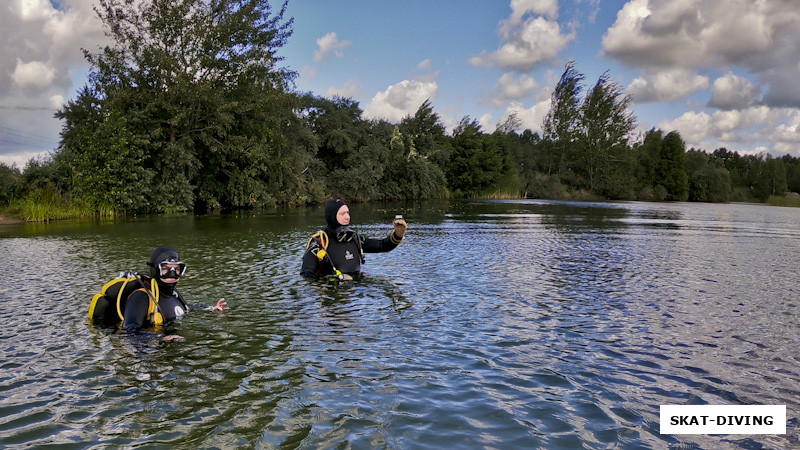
166 269
338 251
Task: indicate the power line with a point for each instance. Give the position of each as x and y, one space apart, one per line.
18 137
28 108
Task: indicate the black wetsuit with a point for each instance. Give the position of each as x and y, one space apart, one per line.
346 255
171 306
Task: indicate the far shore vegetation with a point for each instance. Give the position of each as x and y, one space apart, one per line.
189 110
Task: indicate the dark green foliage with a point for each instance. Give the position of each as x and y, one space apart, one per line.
362 160
562 123
9 183
476 163
410 174
707 181
670 173
771 179
202 99
603 158
110 170
425 135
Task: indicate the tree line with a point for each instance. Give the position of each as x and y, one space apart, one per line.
188 109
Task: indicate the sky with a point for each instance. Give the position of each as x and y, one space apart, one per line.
723 73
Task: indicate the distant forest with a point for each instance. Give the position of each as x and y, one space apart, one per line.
189 110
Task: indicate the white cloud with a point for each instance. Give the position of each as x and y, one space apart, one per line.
521 8
666 85
400 100
31 10
308 73
733 92
330 44
351 89
34 74
531 118
57 101
20 159
762 37
509 87
744 130
425 64
40 60
485 122
788 133
527 40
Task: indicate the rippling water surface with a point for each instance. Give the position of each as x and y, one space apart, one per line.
519 324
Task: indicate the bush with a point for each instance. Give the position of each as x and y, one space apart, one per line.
10 178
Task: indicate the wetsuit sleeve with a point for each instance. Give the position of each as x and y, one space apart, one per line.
310 262
198 307
373 245
136 311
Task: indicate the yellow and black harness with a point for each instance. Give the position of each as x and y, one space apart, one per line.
108 306
322 241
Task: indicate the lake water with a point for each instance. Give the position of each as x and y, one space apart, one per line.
496 324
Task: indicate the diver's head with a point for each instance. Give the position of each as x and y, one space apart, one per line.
337 213
166 267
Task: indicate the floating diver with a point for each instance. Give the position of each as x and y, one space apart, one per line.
338 252
138 302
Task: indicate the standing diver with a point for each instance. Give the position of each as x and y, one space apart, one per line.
140 308
338 251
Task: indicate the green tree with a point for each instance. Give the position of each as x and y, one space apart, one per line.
792 173
646 156
337 127
198 85
476 163
10 177
109 170
670 170
707 183
605 122
409 174
561 125
425 133
771 180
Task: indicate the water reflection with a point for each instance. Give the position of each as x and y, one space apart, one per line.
510 323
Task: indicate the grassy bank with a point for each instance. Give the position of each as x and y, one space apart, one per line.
793 200
45 208
49 208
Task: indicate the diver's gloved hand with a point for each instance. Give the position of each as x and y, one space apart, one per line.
400 227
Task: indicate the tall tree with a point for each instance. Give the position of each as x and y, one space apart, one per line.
771 180
670 169
198 85
477 161
426 134
561 125
606 123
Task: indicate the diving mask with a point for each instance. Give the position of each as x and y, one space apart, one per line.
171 269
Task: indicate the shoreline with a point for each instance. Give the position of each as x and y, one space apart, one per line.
7 220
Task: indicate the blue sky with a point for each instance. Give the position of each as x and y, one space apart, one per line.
721 72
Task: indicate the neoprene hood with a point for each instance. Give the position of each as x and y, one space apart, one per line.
331 208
